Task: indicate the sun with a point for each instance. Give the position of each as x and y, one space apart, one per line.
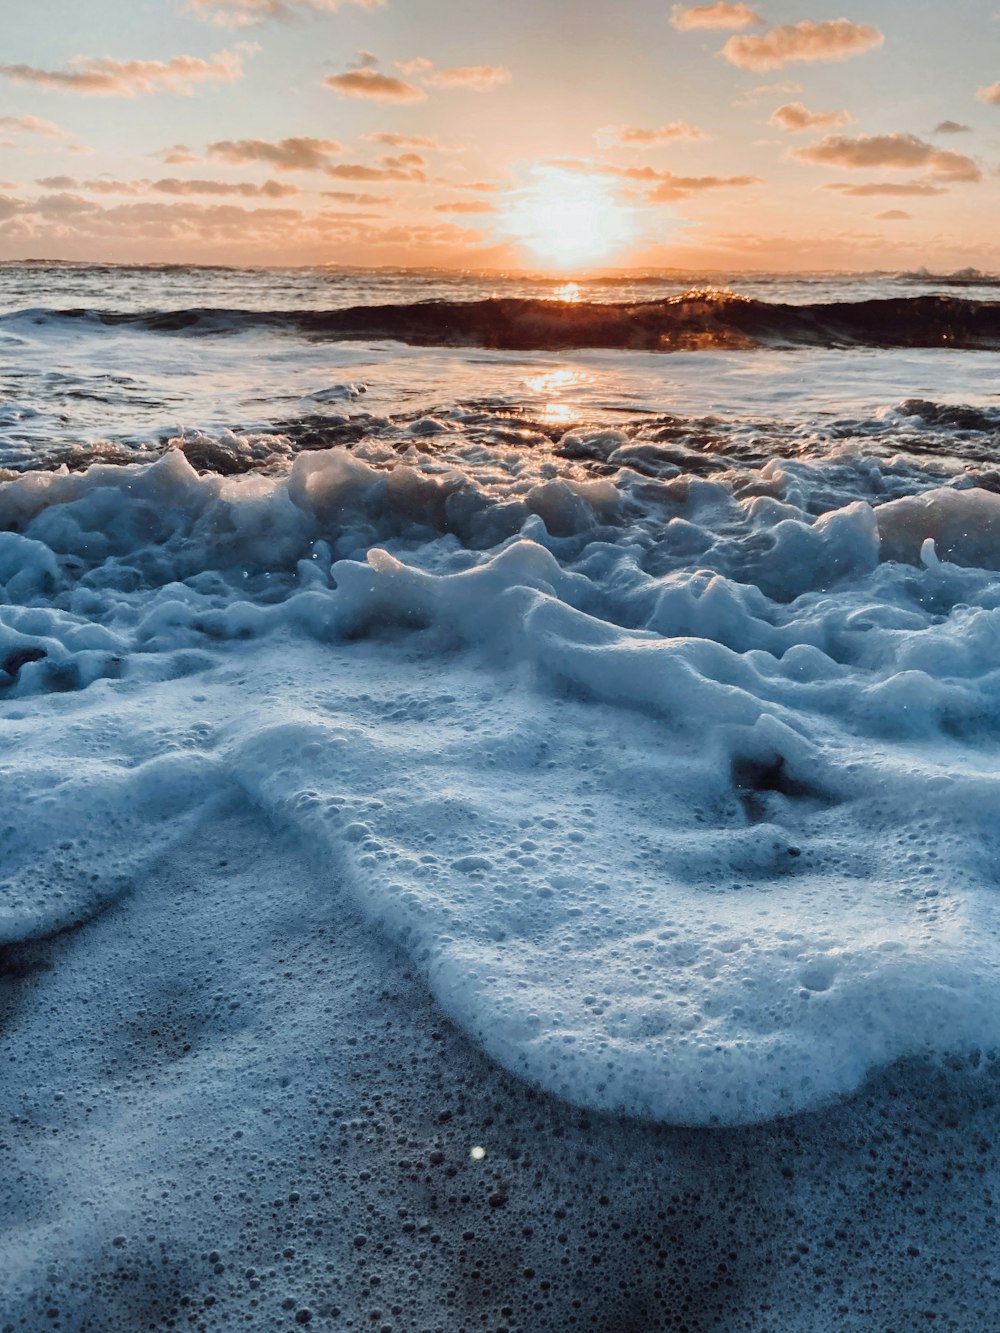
568 220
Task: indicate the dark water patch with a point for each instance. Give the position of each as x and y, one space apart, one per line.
951 416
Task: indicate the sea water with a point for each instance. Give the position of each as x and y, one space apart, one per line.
628 718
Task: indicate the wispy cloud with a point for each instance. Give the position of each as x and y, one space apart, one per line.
794 116
475 78
480 187
722 15
833 39
242 13
657 187
392 140
106 77
990 94
354 197
466 206
894 215
295 154
30 125
389 169
898 152
951 127
888 189
632 136
173 186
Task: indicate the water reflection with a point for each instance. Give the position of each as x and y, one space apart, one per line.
562 389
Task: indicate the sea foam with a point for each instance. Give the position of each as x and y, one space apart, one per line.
679 791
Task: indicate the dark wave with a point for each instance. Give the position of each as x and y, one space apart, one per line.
694 321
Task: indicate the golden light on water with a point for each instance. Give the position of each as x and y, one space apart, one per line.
568 219
568 292
560 390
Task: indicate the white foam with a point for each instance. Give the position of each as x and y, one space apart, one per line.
698 837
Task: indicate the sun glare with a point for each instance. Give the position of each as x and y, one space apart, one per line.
568 220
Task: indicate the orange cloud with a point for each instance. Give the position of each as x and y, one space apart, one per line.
833 39
631 136
373 84
404 140
241 13
107 77
177 155
296 154
30 125
894 215
352 197
244 189
722 15
990 94
391 169
892 189
475 78
793 117
171 185
897 152
659 186
465 206
482 187
673 187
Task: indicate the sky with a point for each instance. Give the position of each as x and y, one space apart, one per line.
555 135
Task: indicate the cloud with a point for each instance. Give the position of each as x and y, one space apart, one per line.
897 152
146 228
106 77
765 89
631 136
30 125
171 185
352 197
833 39
900 190
465 206
793 117
242 13
482 187
658 186
687 17
894 215
951 127
404 162
390 169
990 94
339 215
475 78
404 140
296 154
176 155
374 85
61 205
244 189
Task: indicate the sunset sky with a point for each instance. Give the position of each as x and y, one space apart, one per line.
532 134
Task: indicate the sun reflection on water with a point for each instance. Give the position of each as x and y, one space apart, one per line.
569 292
560 390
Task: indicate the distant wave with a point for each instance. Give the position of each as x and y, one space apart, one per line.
963 277
696 320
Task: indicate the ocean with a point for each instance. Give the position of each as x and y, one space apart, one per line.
500 800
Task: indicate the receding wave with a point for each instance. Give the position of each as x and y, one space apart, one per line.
696 320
